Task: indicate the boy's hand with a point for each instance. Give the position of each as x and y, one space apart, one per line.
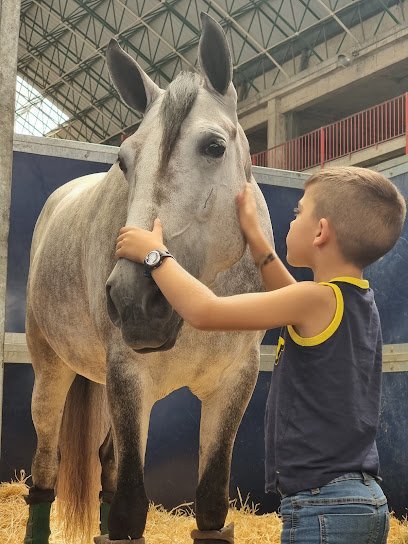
134 243
248 219
247 213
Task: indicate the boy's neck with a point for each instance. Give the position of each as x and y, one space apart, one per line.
327 273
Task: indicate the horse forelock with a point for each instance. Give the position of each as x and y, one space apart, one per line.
175 107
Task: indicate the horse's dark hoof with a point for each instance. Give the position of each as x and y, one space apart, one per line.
223 536
104 539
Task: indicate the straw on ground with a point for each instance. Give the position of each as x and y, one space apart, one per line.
163 527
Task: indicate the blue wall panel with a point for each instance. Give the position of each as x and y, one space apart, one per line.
393 440
35 177
172 461
389 278
18 435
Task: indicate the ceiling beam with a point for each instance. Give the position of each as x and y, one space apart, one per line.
61 79
26 107
161 38
73 71
306 31
337 19
124 39
240 30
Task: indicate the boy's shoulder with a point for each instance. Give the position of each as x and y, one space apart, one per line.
312 292
321 301
316 291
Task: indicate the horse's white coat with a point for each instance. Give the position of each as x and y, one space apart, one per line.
68 328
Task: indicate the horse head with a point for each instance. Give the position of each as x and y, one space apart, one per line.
185 163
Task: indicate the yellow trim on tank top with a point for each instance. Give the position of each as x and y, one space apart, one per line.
330 330
354 281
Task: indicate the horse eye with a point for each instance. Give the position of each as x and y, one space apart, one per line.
215 149
122 165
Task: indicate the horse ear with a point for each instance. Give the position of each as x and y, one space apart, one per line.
214 55
134 86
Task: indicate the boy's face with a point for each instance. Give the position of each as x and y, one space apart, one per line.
302 232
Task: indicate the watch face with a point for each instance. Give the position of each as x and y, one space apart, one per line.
152 258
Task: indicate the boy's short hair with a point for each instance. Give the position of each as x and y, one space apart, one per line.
366 210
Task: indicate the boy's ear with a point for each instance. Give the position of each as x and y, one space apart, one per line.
323 233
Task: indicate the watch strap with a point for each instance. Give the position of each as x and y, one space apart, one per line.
149 268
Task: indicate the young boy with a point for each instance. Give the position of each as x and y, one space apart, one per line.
323 406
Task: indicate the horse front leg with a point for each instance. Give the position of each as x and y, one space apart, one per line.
130 405
221 415
108 480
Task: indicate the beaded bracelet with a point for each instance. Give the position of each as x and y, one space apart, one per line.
270 257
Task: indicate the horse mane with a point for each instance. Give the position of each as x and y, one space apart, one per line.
176 105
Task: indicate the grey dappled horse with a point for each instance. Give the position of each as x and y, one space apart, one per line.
93 321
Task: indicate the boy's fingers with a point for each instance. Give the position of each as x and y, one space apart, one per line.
157 226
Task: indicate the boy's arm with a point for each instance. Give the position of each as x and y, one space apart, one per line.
275 275
200 307
294 304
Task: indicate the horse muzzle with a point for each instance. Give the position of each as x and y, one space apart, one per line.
148 323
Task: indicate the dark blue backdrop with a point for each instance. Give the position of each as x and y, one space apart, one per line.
171 462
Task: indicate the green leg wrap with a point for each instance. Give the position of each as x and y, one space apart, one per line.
104 512
38 524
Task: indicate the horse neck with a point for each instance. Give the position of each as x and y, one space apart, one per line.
242 277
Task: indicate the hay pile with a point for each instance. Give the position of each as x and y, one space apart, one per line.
162 527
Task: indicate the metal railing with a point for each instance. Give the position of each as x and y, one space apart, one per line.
359 131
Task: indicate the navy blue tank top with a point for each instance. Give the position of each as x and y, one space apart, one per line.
323 405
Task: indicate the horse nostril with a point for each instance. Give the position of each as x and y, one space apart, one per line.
112 310
154 305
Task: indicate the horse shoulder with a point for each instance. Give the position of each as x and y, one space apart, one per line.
68 191
242 277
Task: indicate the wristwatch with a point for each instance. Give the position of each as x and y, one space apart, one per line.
154 259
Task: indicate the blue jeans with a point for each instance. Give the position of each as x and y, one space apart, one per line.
351 509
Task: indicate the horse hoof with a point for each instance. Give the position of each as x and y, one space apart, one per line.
223 536
104 539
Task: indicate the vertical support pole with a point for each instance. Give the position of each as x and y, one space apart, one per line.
276 124
322 142
406 123
9 33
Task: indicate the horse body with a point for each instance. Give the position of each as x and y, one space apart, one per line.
78 328
58 273
92 317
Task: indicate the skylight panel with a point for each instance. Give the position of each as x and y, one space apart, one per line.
35 115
